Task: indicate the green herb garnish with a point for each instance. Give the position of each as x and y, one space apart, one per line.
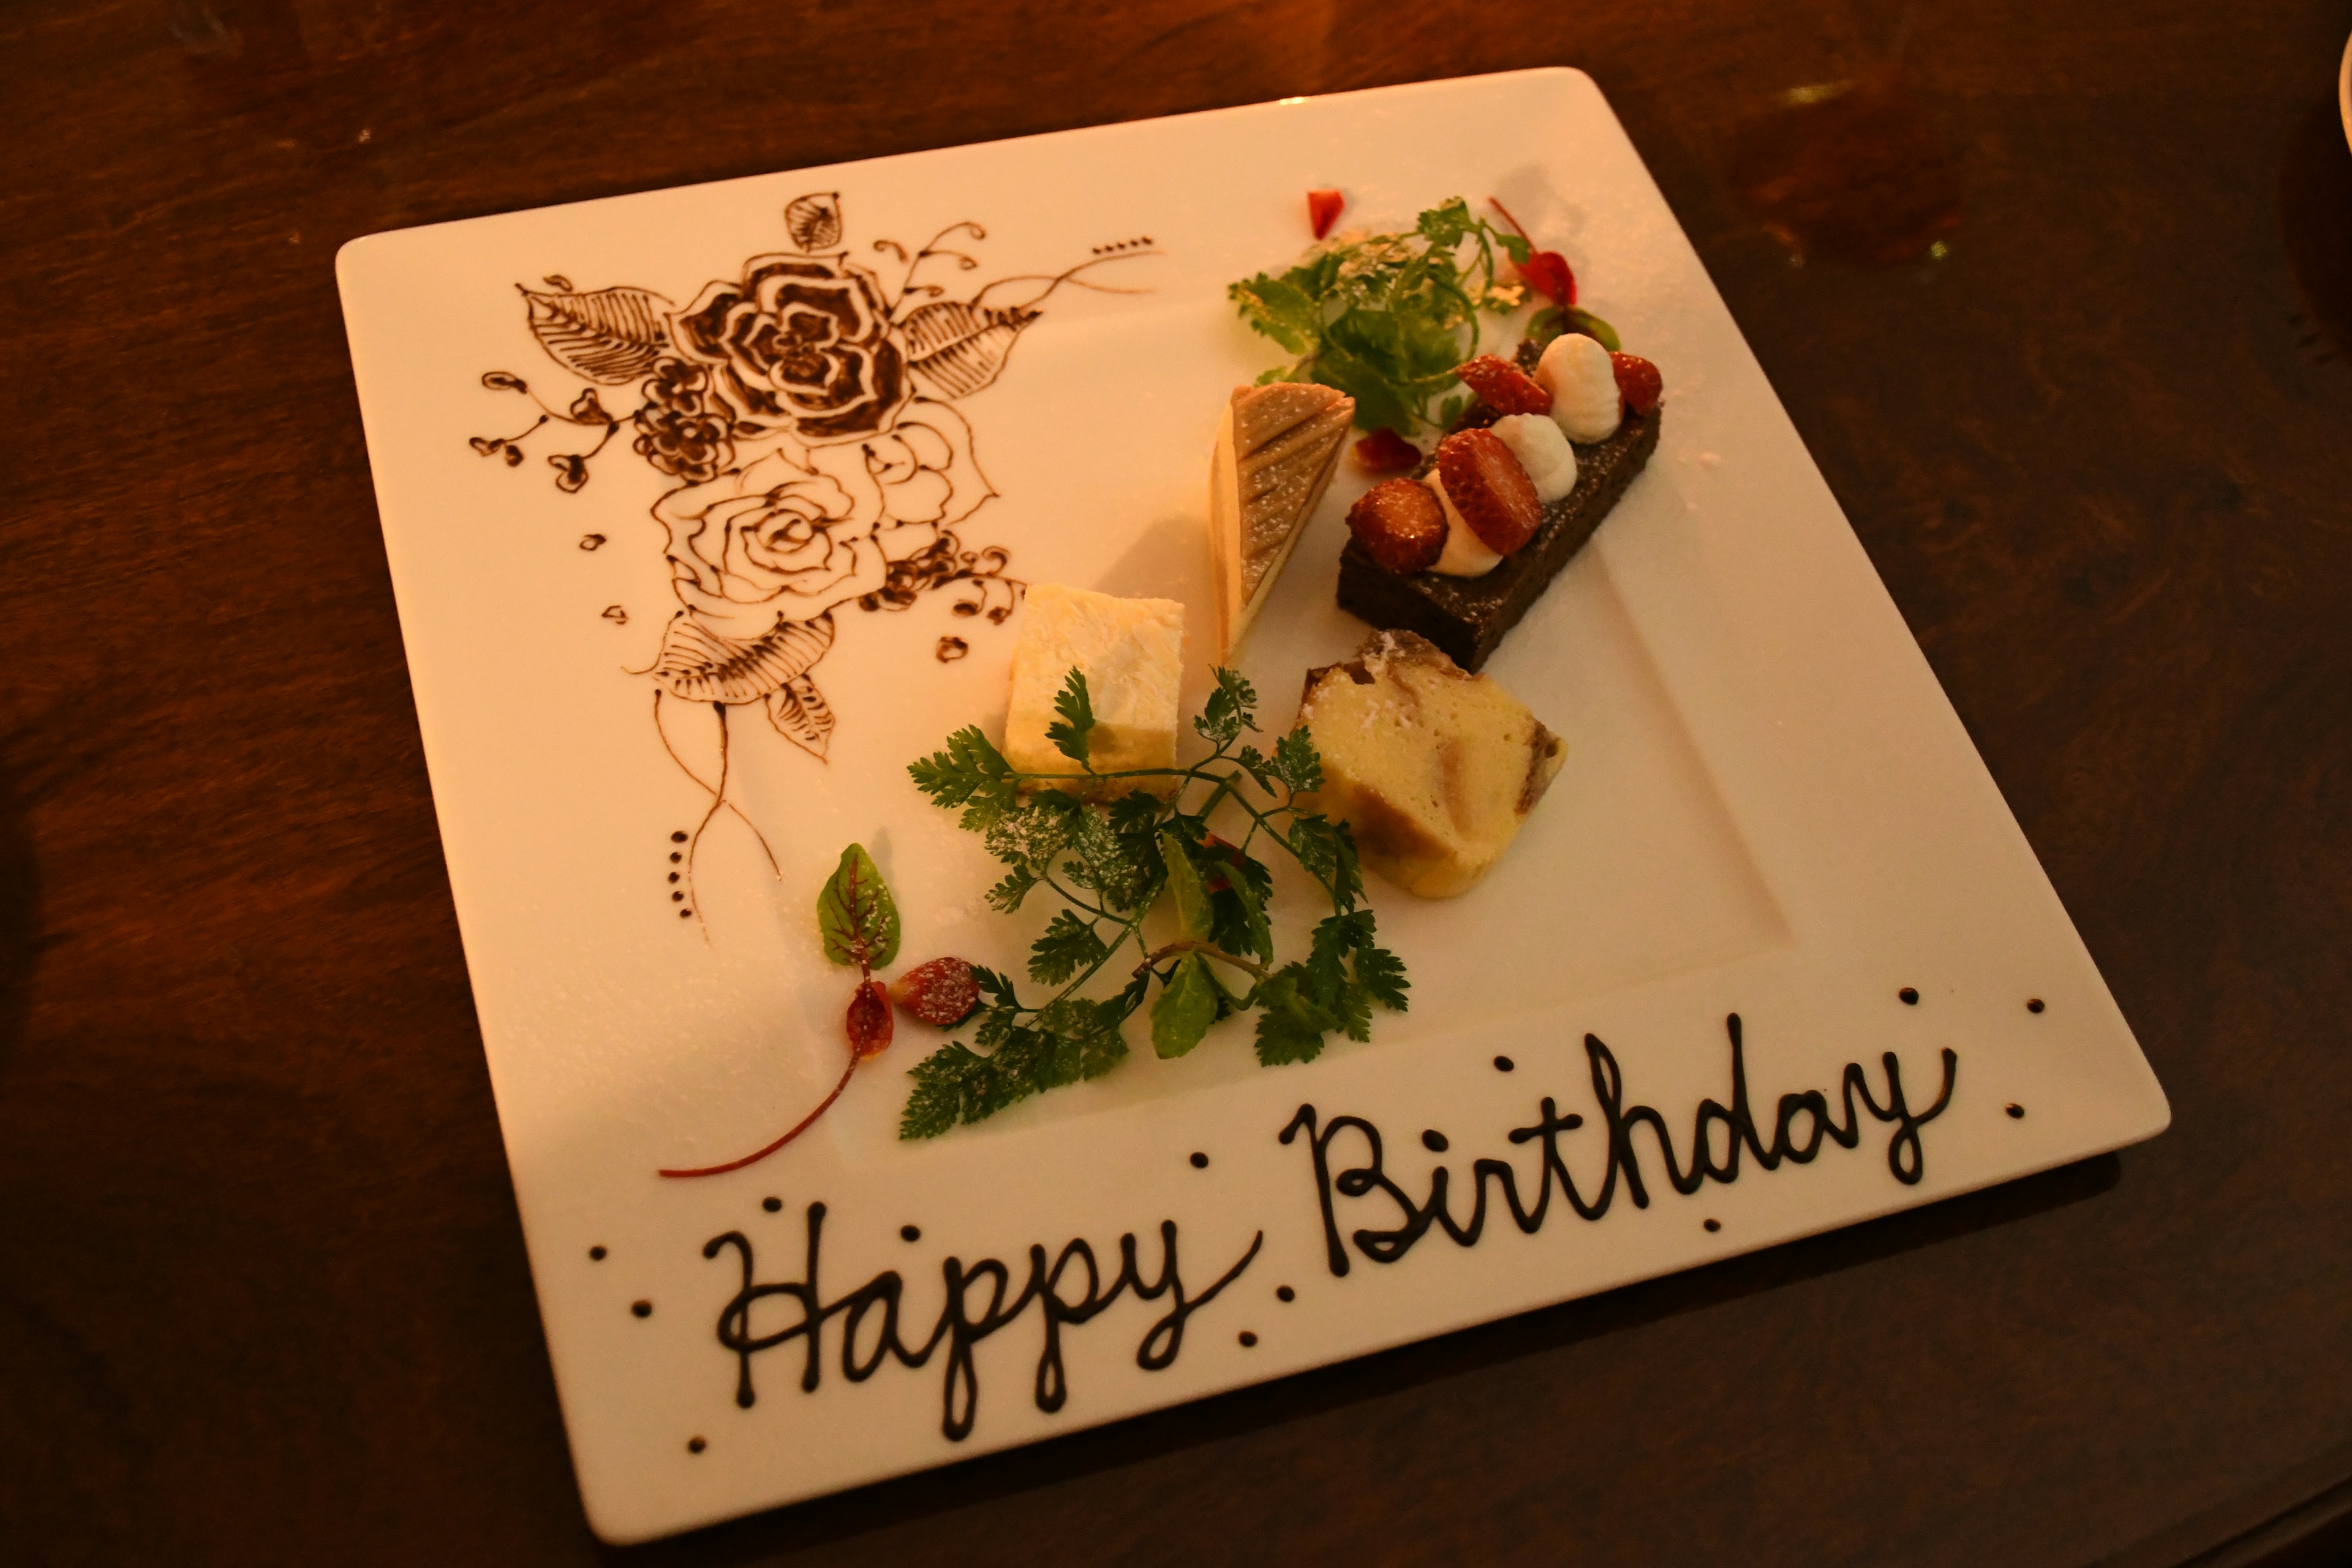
1112 864
1386 319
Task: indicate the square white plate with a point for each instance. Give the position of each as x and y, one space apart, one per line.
1768 808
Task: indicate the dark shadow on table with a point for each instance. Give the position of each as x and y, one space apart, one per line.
1146 1437
2315 220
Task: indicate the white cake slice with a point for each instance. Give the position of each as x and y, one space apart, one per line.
1432 769
1131 652
1278 448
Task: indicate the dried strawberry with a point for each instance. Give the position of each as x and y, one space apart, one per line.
1638 382
869 1020
1504 386
1489 486
1400 524
1386 452
941 992
1323 210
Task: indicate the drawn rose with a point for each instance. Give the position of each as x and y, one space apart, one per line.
801 343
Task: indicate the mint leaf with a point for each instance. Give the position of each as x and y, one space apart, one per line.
1068 945
856 915
1593 327
1186 1007
1193 917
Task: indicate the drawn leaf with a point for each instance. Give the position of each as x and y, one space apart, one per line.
955 348
814 221
611 335
799 712
701 664
855 914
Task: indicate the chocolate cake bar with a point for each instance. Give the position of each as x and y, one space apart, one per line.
1467 616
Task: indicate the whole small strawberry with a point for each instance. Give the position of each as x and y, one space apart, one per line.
941 992
1638 382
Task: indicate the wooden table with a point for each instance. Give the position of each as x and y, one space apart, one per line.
263 1296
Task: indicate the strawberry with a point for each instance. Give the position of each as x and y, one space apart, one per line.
1489 489
1638 382
1504 386
868 1022
1386 452
1400 525
941 992
1323 210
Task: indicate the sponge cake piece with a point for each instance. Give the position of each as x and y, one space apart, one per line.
1131 652
1432 768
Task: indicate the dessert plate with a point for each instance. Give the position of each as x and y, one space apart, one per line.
1771 957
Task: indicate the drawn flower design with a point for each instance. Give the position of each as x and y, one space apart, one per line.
803 344
682 427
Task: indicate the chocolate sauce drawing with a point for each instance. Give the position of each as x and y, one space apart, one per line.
985 1285
806 407
1905 1156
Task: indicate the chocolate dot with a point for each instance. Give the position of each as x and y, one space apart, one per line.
685 914
642 1309
910 1233
1200 1160
2016 1111
1284 1293
772 1204
1434 1142
596 1254
678 898
679 838
695 1445
2034 1006
1504 1064
673 875
675 857
1910 997
1715 1225
1248 1338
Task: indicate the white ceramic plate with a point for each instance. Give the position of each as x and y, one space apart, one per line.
1768 808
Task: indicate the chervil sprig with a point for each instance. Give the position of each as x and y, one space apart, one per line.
1111 864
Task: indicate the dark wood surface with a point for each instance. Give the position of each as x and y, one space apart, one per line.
263 1297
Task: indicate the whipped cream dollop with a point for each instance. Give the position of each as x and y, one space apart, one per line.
1465 554
1585 404
1535 439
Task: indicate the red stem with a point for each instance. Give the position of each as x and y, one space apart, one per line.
796 1131
1508 218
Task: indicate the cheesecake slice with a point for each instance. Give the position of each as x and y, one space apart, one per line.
1131 652
1278 448
1433 769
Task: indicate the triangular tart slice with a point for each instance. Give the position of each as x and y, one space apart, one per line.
1278 448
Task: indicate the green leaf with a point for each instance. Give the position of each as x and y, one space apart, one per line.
1192 918
1186 1007
1381 975
1077 717
856 915
1238 921
1068 946
970 773
1296 761
948 1087
1028 838
1282 310
1593 327
1229 710
1289 1025
1119 867
1545 325
1006 896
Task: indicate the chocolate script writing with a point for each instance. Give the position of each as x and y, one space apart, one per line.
980 1302
1809 1110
